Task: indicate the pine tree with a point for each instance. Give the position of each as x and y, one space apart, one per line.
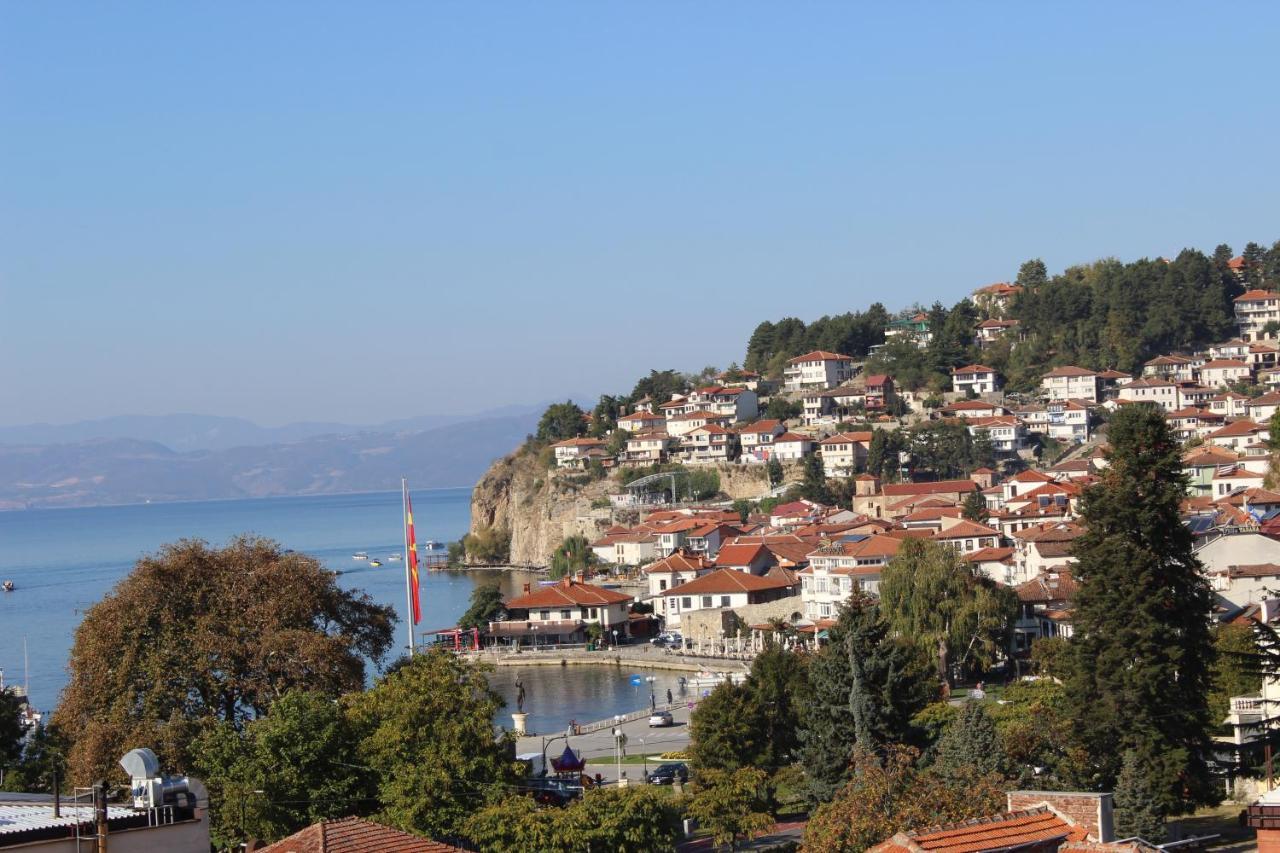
864 688
1136 802
971 745
814 486
1139 660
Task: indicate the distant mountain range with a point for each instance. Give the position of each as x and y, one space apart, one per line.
199 457
209 432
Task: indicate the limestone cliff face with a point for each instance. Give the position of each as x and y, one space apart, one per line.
540 508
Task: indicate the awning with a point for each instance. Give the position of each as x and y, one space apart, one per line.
530 629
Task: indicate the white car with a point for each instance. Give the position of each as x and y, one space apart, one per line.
661 719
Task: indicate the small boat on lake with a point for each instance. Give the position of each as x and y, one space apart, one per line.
359 555
375 563
395 558
8 586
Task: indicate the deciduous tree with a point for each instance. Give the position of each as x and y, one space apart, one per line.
196 635
731 803
428 736
486 606
561 421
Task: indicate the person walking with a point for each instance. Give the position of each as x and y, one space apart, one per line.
668 695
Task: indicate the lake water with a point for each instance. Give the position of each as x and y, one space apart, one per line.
62 561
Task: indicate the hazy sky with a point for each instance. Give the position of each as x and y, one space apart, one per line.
360 211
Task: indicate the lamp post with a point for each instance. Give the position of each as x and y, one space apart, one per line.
244 839
644 757
615 637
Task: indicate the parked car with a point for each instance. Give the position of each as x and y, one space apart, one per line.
551 792
670 639
661 719
667 774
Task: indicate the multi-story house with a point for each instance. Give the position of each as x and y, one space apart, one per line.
791 447
709 444
879 392
756 440
995 298
641 422
725 589
679 425
1238 435
1176 368
1189 422
672 571
1158 392
990 331
976 379
575 452
1222 372
1254 310
845 453
967 536
647 448
1007 434
914 328
1262 408
560 613
740 404
1071 382
1067 420
817 407
817 369
835 570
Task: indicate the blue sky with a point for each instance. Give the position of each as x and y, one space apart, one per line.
359 211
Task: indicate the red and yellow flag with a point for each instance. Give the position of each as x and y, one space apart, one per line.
412 558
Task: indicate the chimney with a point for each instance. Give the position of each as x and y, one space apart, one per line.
1092 812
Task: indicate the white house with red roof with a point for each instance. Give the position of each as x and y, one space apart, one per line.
1222 372
817 369
792 447
747 555
976 379
974 409
1072 382
756 439
967 536
625 546
642 422
1067 420
795 513
1158 392
845 453
996 298
1238 435
740 404
1007 435
561 612
725 589
575 452
679 425
837 569
1254 310
672 571
990 331
708 445
1260 409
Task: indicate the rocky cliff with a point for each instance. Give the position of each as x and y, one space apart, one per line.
540 508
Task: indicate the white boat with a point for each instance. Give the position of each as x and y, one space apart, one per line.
395 557
715 679
431 545
359 555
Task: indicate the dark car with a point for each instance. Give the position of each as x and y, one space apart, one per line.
667 774
551 792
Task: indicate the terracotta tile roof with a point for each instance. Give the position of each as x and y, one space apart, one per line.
355 835
848 438
1000 288
728 581
819 355
567 592
874 546
997 324
1054 531
679 562
989 555
1000 832
1244 426
973 406
579 442
1255 295
935 488
965 529
739 554
1112 373
1258 570
1209 455
877 379
1224 363
1031 476
973 368
761 426
792 436
700 415
1068 370
793 508
1271 398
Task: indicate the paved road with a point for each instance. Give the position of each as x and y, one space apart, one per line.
598 747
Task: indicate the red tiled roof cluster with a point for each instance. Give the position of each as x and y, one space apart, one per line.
355 835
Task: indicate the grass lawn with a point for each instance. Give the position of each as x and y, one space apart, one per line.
1223 821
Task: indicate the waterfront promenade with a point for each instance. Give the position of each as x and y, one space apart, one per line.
637 655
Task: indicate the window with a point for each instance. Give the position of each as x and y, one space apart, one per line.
566 614
671 604
724 601
544 615
686 602
662 585
706 601
595 613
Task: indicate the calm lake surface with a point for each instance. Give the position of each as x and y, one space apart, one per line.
63 561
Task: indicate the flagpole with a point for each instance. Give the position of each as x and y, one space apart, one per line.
408 587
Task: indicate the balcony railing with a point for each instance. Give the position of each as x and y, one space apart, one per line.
1247 704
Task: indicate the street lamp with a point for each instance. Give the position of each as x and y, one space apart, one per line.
644 757
615 638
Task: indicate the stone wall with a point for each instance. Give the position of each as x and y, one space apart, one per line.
708 624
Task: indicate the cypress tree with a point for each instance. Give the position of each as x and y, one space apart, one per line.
971 745
864 688
974 507
1139 662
